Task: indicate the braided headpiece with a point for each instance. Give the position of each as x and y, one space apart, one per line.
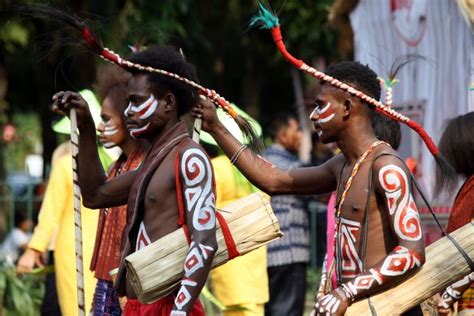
95 45
268 20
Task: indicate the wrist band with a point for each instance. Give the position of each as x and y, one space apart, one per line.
237 154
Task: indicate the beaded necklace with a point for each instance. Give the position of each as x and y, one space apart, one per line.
348 185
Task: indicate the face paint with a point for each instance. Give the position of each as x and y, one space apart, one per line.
325 114
135 132
144 110
110 128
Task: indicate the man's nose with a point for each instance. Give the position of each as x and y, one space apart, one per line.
314 116
128 111
101 127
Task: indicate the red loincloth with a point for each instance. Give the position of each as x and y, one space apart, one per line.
162 307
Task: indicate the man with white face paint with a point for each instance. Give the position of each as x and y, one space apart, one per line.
378 239
174 186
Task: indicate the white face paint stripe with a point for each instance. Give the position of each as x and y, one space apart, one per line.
150 110
323 110
110 129
109 144
145 109
137 131
327 119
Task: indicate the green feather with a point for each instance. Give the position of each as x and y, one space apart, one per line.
264 18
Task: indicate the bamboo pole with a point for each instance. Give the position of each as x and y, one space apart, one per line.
77 215
444 265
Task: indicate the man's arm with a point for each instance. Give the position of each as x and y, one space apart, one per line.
454 292
199 206
96 191
391 178
260 172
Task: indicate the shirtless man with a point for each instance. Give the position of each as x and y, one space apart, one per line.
379 239
175 178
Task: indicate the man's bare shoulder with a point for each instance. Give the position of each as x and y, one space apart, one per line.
189 148
389 167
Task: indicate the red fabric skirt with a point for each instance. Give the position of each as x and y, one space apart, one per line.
162 307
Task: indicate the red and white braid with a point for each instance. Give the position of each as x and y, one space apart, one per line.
379 106
115 58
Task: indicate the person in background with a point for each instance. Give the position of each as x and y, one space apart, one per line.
17 240
287 257
242 283
457 145
112 87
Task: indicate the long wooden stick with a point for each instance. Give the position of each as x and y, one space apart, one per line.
444 265
77 215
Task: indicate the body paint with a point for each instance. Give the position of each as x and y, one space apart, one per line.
135 132
400 262
142 238
110 129
325 114
351 263
144 110
401 205
199 197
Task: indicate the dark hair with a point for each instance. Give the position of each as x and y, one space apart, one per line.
457 146
358 76
112 81
19 218
386 129
169 59
278 122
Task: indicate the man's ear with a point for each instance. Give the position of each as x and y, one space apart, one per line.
170 102
348 107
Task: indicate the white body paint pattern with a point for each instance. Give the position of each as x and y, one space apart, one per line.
407 224
364 282
451 293
183 297
142 238
399 262
326 305
145 110
110 129
197 174
351 263
135 132
109 144
324 115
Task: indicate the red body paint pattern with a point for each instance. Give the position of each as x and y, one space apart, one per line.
351 263
199 196
200 204
400 203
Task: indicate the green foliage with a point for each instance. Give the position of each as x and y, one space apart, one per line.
28 137
20 295
13 34
313 278
304 25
